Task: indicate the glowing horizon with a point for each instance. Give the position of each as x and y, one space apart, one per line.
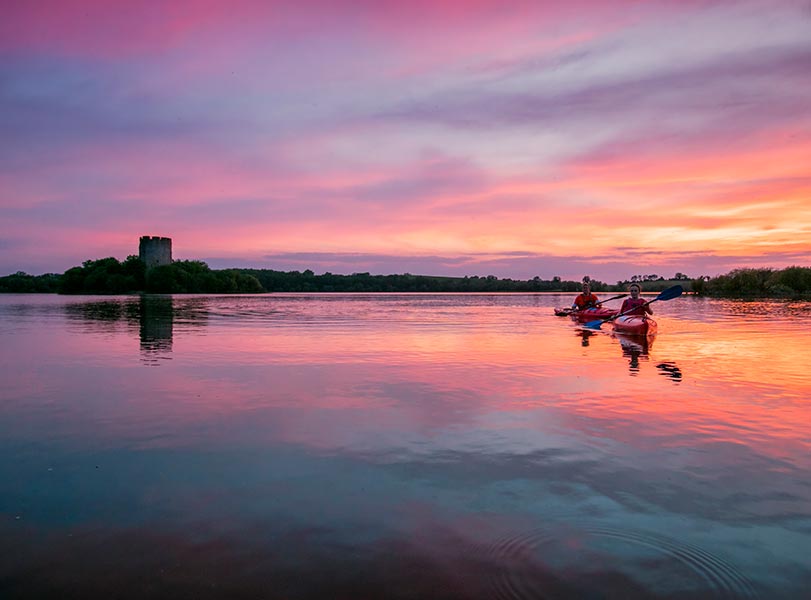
436 138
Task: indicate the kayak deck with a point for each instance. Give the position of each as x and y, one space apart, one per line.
635 325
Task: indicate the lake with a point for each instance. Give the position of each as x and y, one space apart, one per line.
401 446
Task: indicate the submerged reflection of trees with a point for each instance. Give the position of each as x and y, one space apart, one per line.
153 316
103 315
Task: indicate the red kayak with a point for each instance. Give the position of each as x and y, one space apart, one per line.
635 325
590 314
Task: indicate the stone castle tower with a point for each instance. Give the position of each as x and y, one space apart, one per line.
155 251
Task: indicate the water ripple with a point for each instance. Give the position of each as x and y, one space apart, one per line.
579 557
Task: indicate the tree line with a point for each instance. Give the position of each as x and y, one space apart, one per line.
307 281
109 276
791 282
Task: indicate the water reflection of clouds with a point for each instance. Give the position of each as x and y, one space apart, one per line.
280 492
279 441
430 556
297 561
711 310
399 380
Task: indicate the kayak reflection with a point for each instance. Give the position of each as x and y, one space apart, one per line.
585 334
635 348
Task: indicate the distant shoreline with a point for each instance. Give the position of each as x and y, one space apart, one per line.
109 276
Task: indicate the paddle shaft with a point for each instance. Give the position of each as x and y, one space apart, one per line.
613 298
571 311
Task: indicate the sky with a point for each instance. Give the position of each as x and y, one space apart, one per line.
515 139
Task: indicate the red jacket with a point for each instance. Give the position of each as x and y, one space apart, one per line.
583 301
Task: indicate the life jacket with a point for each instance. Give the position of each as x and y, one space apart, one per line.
634 307
583 301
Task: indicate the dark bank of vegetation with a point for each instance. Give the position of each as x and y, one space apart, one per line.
307 281
109 276
104 276
791 282
23 283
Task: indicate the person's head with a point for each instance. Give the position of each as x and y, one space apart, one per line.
634 289
586 288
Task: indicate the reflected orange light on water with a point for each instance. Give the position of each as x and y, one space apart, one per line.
694 384
324 374
352 413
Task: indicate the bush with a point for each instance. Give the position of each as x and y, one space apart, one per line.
23 283
104 276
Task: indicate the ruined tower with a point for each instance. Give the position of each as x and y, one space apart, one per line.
155 251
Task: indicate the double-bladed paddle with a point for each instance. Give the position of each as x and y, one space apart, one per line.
570 311
668 294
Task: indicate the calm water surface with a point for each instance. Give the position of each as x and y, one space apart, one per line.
401 446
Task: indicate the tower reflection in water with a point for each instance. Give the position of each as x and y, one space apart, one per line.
156 318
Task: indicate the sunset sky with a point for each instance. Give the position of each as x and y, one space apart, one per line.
442 138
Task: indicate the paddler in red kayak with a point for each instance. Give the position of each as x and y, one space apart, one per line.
635 305
586 299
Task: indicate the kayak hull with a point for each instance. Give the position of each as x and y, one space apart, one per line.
592 314
635 325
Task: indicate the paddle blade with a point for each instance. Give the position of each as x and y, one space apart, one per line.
595 324
670 293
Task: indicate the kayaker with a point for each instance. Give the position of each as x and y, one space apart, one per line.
635 305
586 299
